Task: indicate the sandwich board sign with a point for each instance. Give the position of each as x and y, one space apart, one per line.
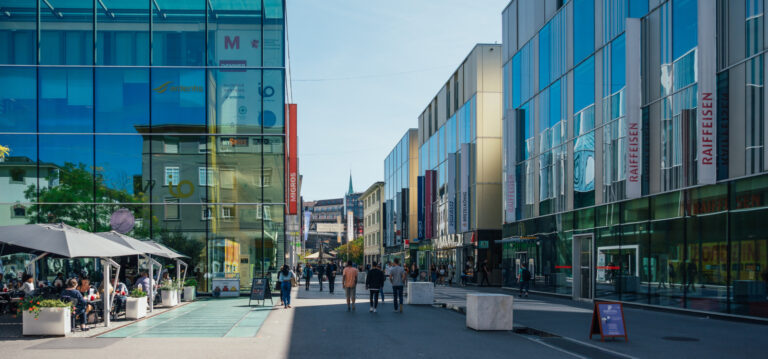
608 321
260 290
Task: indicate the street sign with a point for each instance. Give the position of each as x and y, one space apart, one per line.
608 321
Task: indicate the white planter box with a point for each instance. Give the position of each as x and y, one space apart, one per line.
421 293
135 308
189 294
489 311
51 321
170 298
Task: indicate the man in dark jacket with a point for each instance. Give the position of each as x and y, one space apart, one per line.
374 282
330 271
320 274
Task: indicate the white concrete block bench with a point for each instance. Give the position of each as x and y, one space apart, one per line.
421 293
489 311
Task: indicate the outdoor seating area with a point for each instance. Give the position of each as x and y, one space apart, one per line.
64 280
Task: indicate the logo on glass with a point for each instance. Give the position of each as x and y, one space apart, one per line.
168 86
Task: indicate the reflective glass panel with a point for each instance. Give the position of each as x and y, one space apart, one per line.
122 100
20 170
684 26
584 85
70 179
18 99
583 29
18 32
178 33
122 32
178 100
178 171
122 169
273 107
235 33
66 32
65 100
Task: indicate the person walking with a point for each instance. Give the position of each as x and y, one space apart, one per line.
330 272
486 273
433 273
349 281
284 277
307 275
525 280
451 273
397 278
320 274
414 272
374 282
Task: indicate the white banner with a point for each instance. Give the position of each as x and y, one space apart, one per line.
510 163
464 178
350 226
707 92
634 123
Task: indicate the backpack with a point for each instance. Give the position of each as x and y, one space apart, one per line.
526 275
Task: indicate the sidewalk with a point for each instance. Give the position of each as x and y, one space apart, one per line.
651 333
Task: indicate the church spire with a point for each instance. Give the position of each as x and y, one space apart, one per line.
350 191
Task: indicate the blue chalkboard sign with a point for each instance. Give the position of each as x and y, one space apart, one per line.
608 321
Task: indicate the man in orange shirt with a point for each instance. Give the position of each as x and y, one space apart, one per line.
349 278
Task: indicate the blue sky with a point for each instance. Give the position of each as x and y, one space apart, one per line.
363 70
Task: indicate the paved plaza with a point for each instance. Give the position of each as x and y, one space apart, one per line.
319 326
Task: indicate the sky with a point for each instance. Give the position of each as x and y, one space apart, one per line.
363 71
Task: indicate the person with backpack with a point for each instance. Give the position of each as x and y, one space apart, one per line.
330 272
525 280
374 282
307 275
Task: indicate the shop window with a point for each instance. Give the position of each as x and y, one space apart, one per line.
19 211
171 208
17 175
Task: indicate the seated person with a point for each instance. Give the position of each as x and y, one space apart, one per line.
59 281
143 282
29 284
70 293
88 293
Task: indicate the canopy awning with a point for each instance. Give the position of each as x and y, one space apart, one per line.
316 255
166 252
59 240
142 246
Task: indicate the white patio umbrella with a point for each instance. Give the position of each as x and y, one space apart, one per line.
171 254
65 241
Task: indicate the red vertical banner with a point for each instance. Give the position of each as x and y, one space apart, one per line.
293 173
429 180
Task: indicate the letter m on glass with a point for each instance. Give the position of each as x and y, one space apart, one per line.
232 43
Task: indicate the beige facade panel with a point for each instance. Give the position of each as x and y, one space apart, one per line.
488 168
489 110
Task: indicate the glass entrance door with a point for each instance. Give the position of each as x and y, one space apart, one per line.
583 262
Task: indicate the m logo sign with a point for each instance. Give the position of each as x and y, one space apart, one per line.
230 43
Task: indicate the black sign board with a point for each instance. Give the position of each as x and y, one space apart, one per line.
608 321
260 290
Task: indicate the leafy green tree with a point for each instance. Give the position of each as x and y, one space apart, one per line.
351 251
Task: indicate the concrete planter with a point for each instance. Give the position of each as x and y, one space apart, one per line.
135 308
51 321
189 294
170 298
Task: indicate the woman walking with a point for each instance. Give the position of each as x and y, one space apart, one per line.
284 277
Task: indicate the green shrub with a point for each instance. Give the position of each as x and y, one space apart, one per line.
33 305
138 293
191 282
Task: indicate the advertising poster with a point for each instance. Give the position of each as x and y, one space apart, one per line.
429 179
634 131
420 208
707 92
451 200
464 193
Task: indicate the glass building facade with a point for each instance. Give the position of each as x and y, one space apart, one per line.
171 109
606 198
399 203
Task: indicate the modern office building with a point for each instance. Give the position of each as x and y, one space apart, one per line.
635 152
17 173
372 222
326 226
459 139
174 110
400 177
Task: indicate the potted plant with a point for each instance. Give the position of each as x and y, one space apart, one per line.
136 304
45 316
189 289
169 294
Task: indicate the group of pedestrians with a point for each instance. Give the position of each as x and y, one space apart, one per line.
374 283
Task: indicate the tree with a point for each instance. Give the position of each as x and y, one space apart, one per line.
4 151
351 251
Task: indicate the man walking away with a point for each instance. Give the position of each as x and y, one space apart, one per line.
525 280
374 282
307 275
397 278
486 273
320 274
330 271
349 281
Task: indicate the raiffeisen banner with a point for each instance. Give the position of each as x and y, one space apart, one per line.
706 58
451 193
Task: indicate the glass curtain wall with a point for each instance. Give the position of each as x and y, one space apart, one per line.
171 114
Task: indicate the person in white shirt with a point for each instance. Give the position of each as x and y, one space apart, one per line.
29 284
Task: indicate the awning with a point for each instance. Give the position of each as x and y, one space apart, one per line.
59 240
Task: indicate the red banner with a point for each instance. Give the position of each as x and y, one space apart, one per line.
293 173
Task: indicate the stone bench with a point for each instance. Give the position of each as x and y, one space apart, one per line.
421 293
489 311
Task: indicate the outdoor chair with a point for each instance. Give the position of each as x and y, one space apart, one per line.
75 313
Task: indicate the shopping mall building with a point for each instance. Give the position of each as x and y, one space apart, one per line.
172 109
634 154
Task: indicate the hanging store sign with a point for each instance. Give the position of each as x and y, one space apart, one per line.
464 192
510 159
707 92
420 208
634 123
429 186
451 200
293 168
